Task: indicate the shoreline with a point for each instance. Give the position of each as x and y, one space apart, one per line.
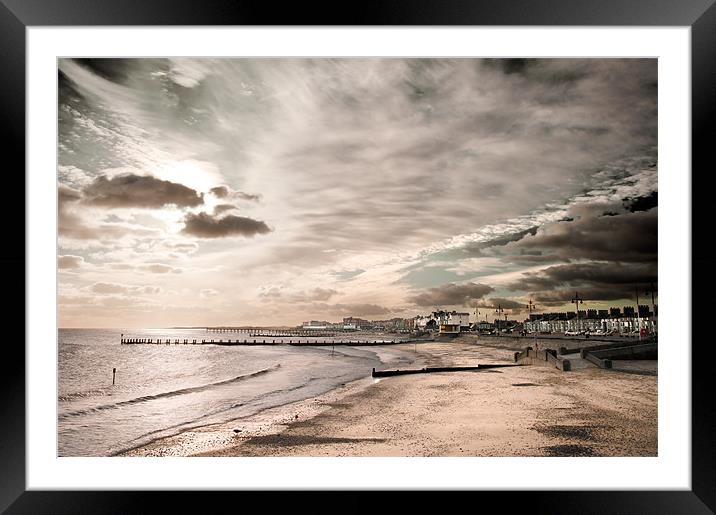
518 411
273 420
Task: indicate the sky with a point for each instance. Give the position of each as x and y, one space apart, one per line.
196 192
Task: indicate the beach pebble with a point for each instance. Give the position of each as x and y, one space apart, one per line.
237 430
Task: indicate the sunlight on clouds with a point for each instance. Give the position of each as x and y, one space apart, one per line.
198 175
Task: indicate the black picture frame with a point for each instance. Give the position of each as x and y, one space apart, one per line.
17 15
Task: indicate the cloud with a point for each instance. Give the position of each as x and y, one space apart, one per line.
588 294
494 302
65 194
220 191
321 294
313 295
641 203
598 231
69 262
246 196
122 289
208 293
357 310
142 191
600 281
451 294
109 288
188 73
222 208
204 225
225 191
159 268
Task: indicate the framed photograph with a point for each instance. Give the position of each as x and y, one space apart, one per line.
419 249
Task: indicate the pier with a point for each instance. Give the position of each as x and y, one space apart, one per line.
256 341
269 332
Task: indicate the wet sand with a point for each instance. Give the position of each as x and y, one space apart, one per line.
514 411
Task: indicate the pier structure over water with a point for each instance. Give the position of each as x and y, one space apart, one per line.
277 332
257 341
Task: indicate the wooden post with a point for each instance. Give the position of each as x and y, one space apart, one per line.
114 371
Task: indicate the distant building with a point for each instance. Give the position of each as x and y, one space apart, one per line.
394 324
461 319
421 322
356 324
316 324
450 329
484 326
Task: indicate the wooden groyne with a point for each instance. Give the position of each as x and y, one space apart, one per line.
256 341
428 370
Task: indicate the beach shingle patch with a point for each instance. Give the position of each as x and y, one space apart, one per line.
569 450
574 432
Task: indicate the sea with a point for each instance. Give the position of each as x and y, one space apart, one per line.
163 390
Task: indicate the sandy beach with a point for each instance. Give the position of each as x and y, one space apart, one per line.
513 411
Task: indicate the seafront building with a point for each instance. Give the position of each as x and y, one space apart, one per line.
612 321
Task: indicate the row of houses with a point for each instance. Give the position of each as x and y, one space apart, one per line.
614 320
360 324
447 320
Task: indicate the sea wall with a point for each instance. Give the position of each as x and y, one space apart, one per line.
546 358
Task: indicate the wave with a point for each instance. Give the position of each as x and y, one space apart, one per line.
173 393
258 403
81 395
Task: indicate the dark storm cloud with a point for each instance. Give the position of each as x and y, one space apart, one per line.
142 191
591 293
451 294
115 69
598 232
204 225
607 274
641 203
